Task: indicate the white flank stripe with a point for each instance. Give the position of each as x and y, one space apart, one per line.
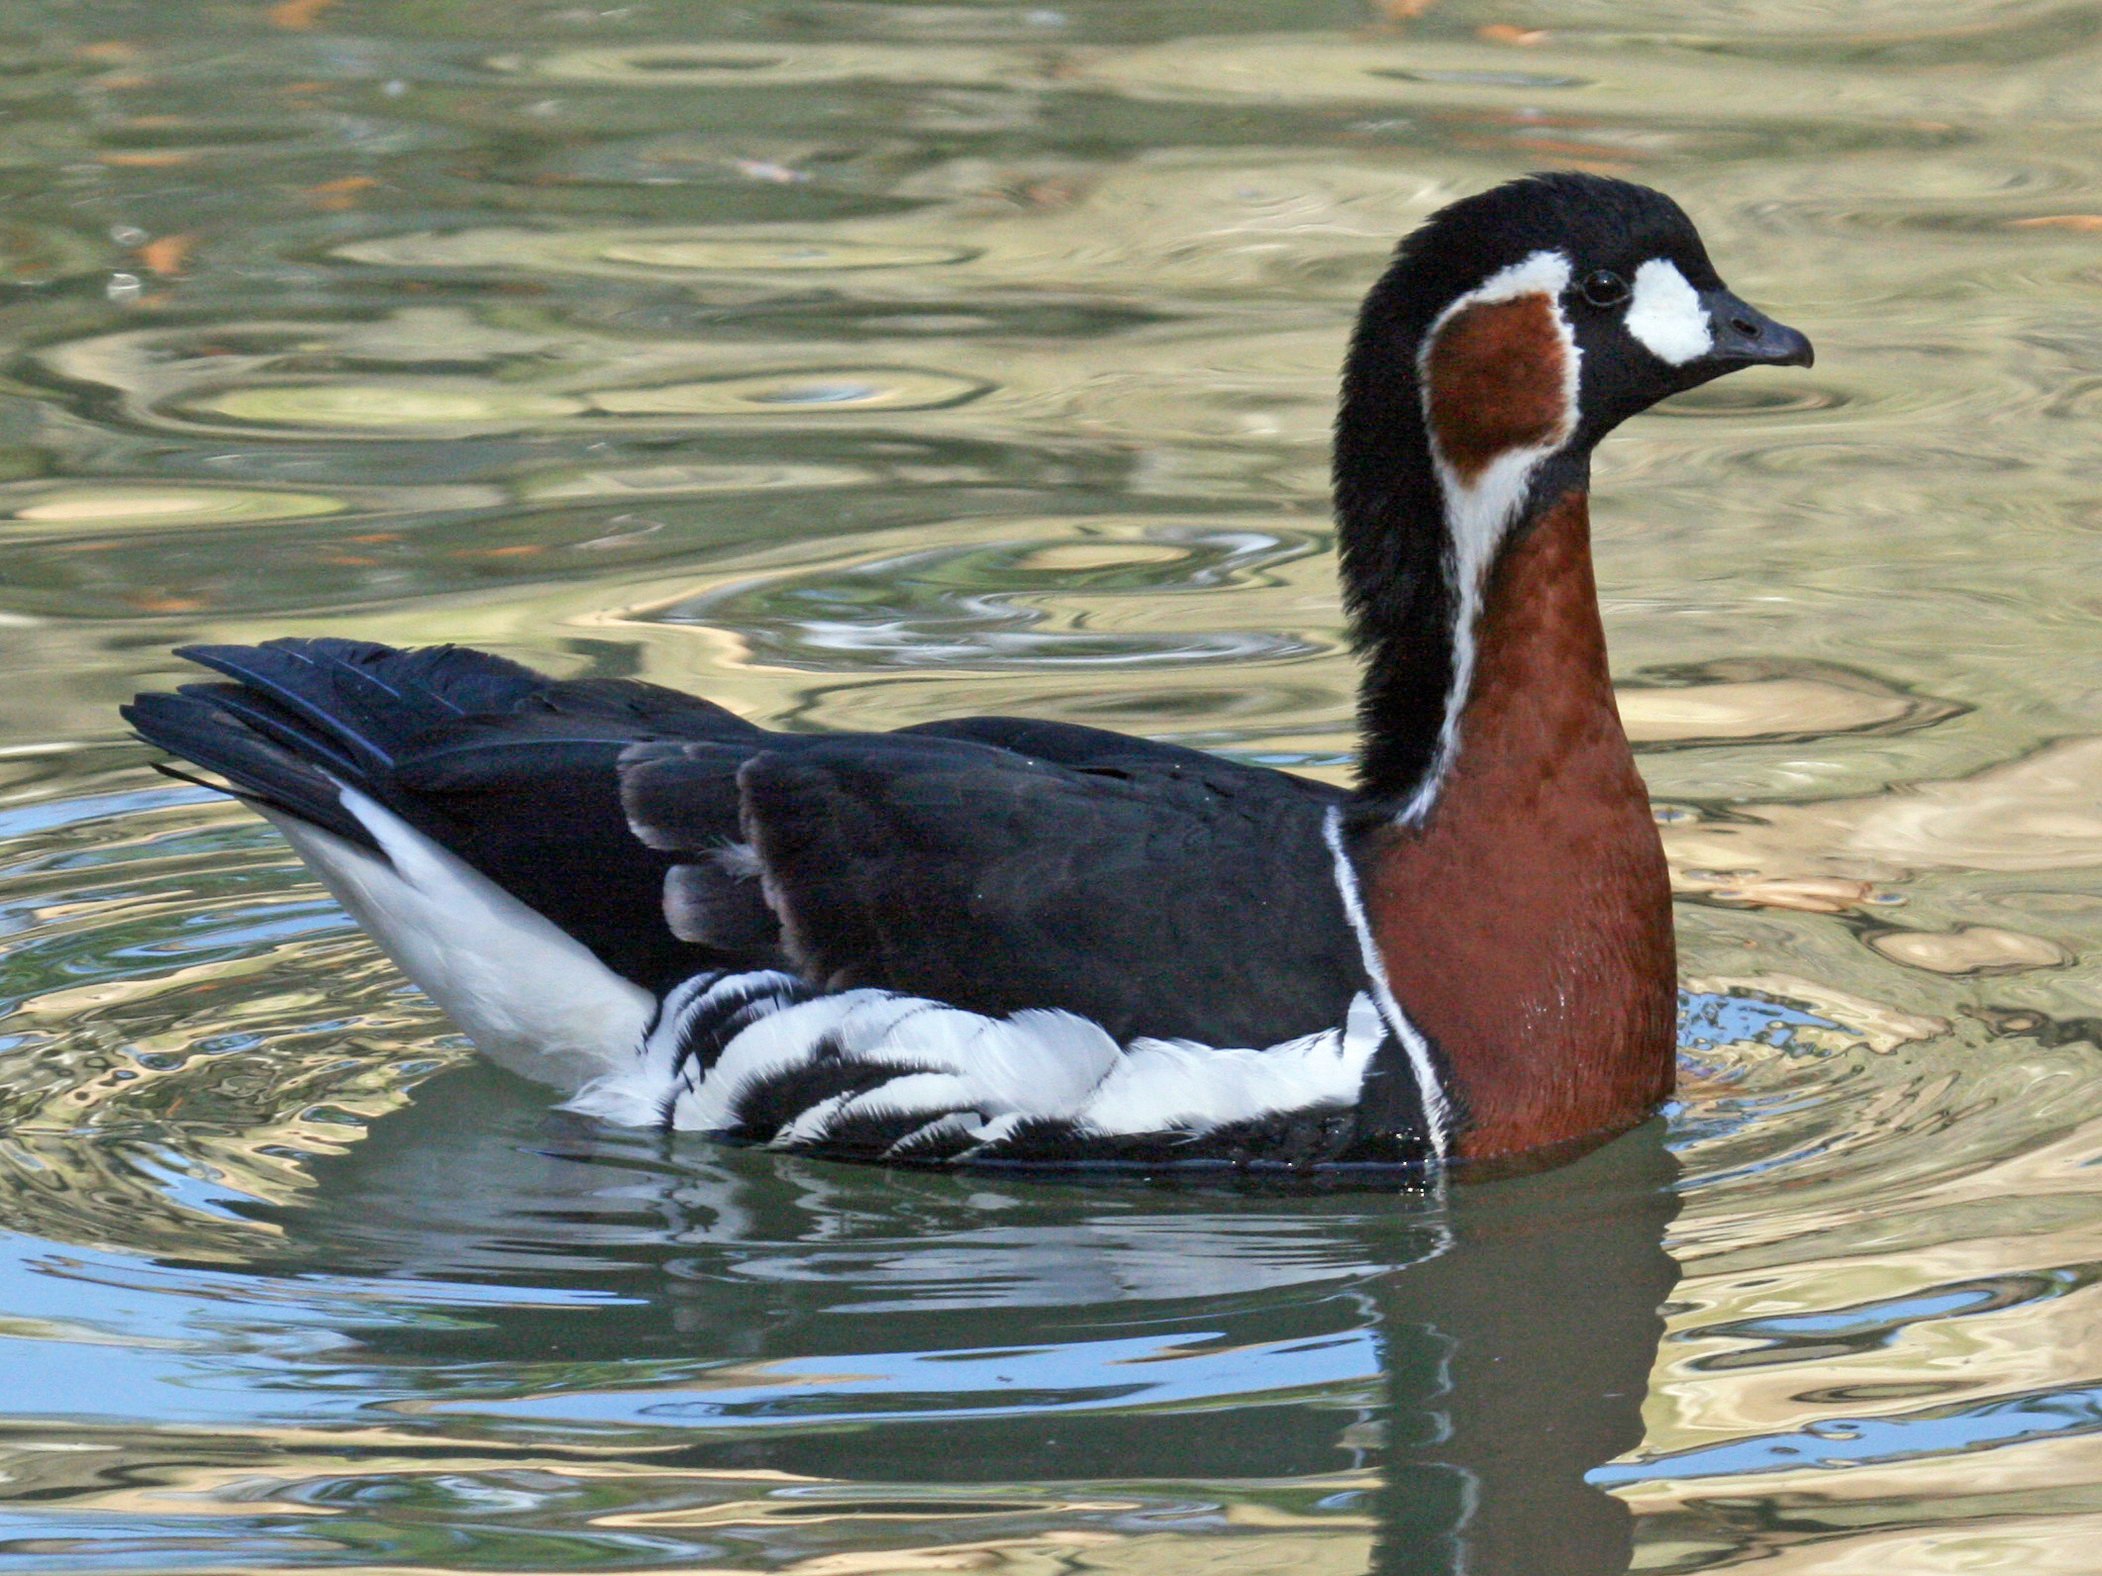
1171 1085
1478 515
528 994
985 1076
907 1093
1437 1111
1034 1063
951 1124
810 1126
634 1094
1666 314
777 1042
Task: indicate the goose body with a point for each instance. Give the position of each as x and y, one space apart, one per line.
998 940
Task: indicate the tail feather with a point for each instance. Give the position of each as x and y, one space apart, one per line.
275 723
217 737
363 701
511 773
537 931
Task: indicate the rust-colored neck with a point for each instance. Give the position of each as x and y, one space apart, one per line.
1526 923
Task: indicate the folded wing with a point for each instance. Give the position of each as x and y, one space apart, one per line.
1156 891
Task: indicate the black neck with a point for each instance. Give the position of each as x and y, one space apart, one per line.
1395 546
1393 542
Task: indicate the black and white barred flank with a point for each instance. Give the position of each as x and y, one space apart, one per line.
992 942
762 1058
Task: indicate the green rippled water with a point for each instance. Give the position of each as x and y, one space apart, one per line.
865 361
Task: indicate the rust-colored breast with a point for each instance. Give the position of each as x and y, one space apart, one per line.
1494 380
1526 924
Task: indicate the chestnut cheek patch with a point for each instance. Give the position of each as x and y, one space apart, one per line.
1497 380
1499 396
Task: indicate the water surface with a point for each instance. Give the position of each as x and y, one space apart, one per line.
866 362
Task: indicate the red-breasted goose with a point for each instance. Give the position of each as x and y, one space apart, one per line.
1004 941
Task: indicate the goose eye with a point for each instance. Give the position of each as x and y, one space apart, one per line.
1603 287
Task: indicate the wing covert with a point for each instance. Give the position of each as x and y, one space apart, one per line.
1181 896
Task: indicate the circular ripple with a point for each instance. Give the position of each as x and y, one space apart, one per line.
385 406
778 393
741 65
1751 399
629 252
149 507
161 141
1769 701
1118 596
794 255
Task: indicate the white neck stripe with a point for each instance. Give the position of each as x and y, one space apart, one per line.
1478 513
1437 1110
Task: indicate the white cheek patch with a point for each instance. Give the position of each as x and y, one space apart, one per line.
1666 314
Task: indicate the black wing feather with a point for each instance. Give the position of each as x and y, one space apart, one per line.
1159 900
681 799
1071 744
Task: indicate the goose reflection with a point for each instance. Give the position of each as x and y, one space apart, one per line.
1445 1371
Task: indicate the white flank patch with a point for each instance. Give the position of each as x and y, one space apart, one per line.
1478 514
1033 1062
980 1076
633 1093
1430 1094
1666 314
1171 1085
528 994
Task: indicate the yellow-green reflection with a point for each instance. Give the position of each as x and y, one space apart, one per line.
148 508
